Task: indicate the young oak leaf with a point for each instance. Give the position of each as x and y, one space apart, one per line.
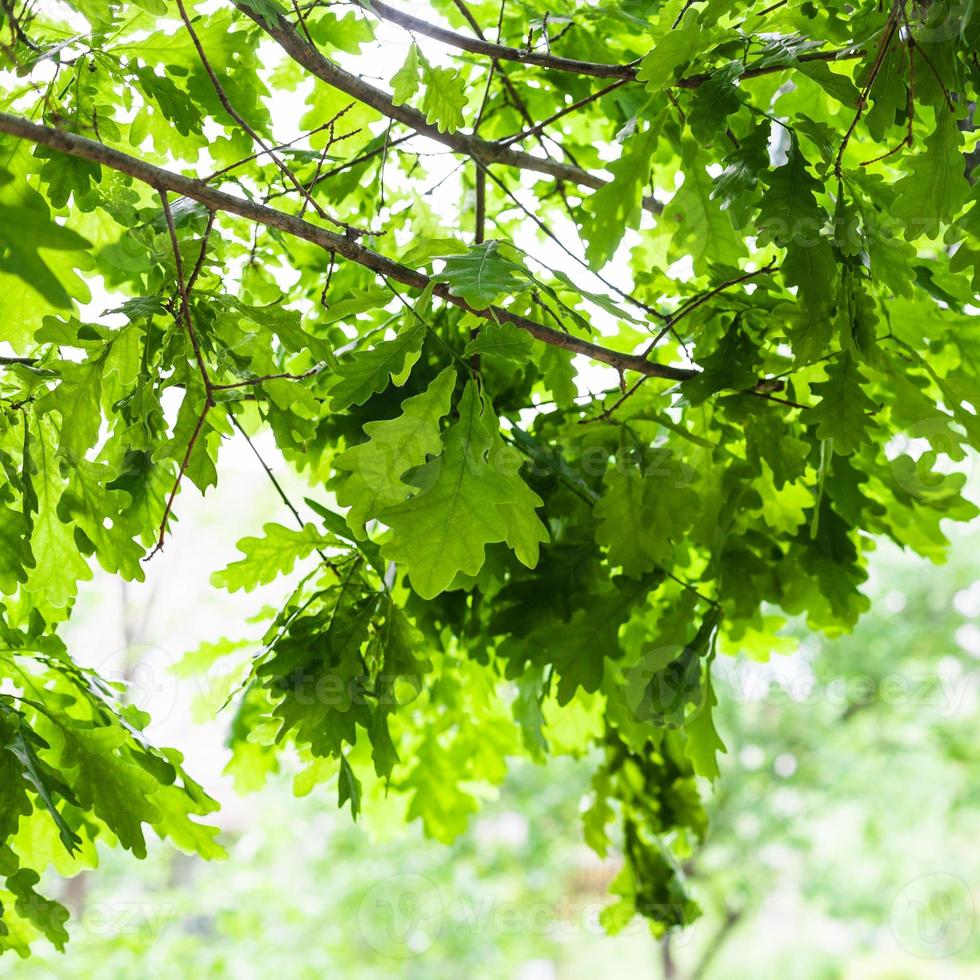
791 216
483 275
177 805
676 48
24 231
76 399
936 187
405 81
578 649
639 514
394 446
470 496
268 557
695 224
46 915
842 414
368 372
21 744
732 365
713 102
444 99
615 206
445 91
789 208
58 564
502 340
107 782
703 741
348 788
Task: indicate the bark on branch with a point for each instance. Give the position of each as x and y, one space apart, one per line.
216 200
501 52
487 151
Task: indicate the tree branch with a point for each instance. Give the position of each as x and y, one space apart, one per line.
501 52
564 111
711 950
216 200
185 303
299 49
265 147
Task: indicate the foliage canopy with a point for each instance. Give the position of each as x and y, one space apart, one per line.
759 219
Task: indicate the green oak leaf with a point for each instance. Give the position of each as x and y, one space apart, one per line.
732 364
444 99
935 188
114 787
23 233
365 373
76 399
641 515
615 207
703 741
502 340
348 788
405 81
375 468
46 915
270 556
713 102
843 413
790 214
470 496
677 47
483 275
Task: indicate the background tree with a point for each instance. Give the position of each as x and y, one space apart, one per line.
546 479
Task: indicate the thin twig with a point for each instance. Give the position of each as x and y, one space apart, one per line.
278 487
184 298
612 408
527 56
495 66
488 151
240 119
199 265
629 297
773 398
180 475
680 16
280 146
302 21
248 382
891 26
925 57
326 282
202 367
581 103
727 284
353 162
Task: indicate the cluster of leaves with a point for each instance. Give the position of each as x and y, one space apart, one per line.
499 559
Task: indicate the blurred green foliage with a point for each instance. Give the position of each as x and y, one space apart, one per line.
841 844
